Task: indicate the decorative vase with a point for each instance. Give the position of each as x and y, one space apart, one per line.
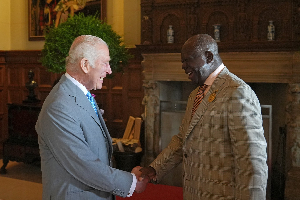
217 32
271 31
170 34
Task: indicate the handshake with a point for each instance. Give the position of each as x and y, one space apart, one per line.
144 175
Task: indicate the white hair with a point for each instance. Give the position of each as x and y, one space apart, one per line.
84 46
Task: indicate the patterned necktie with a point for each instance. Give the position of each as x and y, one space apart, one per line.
92 100
198 99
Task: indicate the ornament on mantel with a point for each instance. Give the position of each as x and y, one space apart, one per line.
217 32
170 34
271 31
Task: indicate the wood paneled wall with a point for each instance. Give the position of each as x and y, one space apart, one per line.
3 98
120 96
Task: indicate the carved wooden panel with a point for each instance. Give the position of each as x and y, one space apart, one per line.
2 111
116 103
134 86
296 20
18 65
109 98
219 17
174 20
2 73
44 79
280 14
13 78
101 98
241 22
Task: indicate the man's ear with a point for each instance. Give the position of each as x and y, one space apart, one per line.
84 65
209 56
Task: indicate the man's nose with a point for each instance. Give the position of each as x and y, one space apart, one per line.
108 69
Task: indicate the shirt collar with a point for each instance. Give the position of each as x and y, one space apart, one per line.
82 87
213 76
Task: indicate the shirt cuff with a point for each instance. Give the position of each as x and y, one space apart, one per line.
133 185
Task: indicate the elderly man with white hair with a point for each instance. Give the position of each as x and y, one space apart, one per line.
75 145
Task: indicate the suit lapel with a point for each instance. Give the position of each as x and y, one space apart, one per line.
198 115
102 122
107 136
208 99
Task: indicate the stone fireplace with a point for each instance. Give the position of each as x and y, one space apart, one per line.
274 76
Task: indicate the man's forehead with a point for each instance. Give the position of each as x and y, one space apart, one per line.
103 56
104 52
188 52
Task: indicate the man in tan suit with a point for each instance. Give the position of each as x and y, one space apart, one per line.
221 140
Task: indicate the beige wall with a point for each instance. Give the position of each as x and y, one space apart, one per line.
123 15
4 24
115 15
132 22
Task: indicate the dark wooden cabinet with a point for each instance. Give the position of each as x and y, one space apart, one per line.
22 142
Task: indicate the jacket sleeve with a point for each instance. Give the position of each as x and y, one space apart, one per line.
248 144
171 156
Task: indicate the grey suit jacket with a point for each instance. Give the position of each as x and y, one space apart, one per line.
75 153
222 147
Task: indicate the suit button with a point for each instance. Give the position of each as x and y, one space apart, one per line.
185 155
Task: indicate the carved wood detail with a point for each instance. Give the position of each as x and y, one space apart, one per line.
242 21
151 118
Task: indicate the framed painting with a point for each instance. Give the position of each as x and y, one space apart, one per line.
43 14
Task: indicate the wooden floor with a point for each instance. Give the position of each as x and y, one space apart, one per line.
22 182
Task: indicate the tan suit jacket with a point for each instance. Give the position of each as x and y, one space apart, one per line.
223 148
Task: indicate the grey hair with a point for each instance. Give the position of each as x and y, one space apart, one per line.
84 46
201 43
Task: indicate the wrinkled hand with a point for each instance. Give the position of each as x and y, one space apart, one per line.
148 172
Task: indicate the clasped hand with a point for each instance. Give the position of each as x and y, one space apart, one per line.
143 175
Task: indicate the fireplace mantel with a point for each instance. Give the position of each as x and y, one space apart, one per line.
256 67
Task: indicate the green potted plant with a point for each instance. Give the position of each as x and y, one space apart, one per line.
59 40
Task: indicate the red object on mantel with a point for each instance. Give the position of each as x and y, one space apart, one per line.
157 192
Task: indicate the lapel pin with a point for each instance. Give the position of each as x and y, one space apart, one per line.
212 97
